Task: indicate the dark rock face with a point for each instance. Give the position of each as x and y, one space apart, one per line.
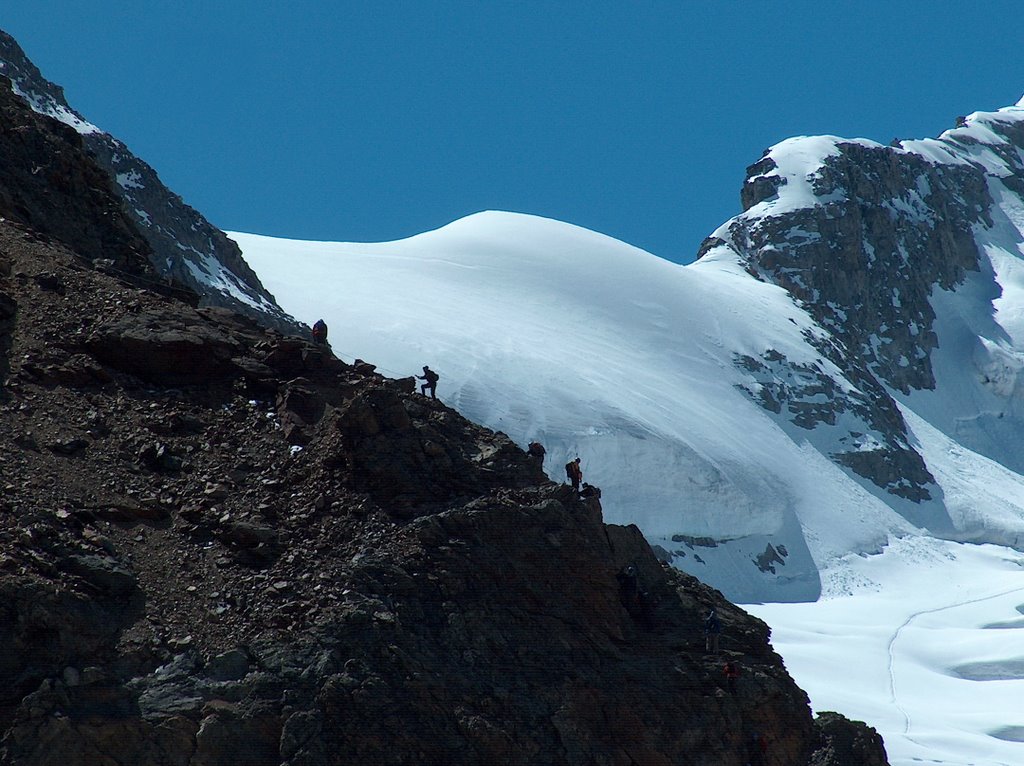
847 743
189 588
49 185
184 248
865 263
8 310
809 397
219 545
169 347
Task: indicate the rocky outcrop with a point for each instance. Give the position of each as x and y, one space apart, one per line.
890 228
885 228
810 397
191 585
847 743
50 186
184 248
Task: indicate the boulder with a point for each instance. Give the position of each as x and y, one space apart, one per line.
843 742
104 572
167 348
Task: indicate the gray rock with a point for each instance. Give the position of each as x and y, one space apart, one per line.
105 572
229 666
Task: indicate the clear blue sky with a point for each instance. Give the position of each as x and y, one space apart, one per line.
373 120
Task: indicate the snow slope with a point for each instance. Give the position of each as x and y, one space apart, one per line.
548 331
593 347
551 332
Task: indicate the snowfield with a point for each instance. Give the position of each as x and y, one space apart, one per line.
924 642
547 331
550 332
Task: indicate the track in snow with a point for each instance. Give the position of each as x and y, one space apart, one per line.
891 649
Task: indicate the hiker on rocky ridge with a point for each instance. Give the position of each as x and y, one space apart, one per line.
732 673
574 473
320 332
536 451
629 588
712 631
634 598
431 379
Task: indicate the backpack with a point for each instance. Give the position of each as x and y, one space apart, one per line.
431 376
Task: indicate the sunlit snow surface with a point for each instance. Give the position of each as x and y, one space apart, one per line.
925 642
593 347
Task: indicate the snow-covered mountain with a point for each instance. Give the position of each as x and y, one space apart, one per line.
836 375
187 249
839 367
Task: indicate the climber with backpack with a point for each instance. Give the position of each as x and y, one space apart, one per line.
320 332
574 473
536 451
712 631
732 674
431 379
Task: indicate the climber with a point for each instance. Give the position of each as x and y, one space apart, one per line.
757 749
636 601
536 451
575 473
320 332
732 674
431 379
629 588
712 630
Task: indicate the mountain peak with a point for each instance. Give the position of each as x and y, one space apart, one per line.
184 247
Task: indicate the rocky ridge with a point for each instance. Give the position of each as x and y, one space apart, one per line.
184 247
222 545
883 228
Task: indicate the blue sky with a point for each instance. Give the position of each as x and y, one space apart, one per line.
374 121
